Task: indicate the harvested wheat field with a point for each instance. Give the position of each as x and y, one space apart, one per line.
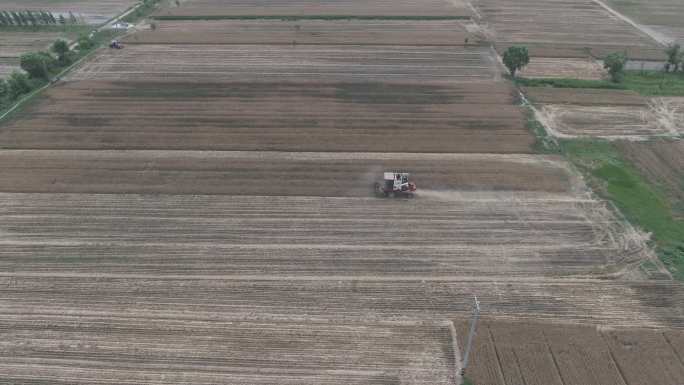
377 117
226 351
254 173
94 12
609 114
564 29
439 234
366 32
258 63
197 208
299 289
662 163
384 8
572 68
660 117
564 354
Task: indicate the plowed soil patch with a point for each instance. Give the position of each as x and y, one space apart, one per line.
508 352
374 117
393 32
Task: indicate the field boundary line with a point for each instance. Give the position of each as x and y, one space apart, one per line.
612 357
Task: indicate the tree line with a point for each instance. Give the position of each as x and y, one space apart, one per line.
36 18
517 57
38 68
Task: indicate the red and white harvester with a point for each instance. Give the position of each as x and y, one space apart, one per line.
395 184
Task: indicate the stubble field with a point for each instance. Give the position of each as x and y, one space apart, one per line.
563 29
568 68
357 32
609 114
202 213
258 63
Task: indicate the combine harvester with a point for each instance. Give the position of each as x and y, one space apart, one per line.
395 185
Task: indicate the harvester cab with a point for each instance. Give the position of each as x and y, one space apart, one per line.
395 184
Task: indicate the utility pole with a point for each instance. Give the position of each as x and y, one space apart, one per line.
473 325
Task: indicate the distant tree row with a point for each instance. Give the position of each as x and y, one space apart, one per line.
34 18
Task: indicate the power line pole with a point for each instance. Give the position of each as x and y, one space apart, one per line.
473 325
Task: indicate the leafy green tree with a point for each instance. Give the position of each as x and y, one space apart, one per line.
673 52
515 58
52 18
3 21
615 64
62 20
17 84
61 48
72 18
85 42
37 64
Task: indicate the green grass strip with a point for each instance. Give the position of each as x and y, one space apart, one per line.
655 83
647 83
616 179
569 83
